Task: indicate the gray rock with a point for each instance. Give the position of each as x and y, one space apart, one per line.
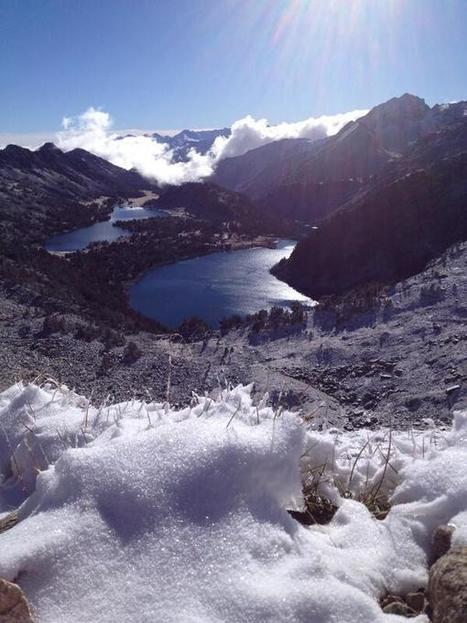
389 599
14 607
447 587
9 521
441 541
416 601
398 607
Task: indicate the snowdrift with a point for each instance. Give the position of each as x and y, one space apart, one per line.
139 512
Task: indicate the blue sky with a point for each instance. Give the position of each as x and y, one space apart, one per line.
206 63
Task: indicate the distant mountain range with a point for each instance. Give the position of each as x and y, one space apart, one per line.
184 141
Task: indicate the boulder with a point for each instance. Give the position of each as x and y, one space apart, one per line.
441 541
400 608
416 601
14 607
447 587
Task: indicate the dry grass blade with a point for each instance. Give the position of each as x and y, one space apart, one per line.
385 469
234 414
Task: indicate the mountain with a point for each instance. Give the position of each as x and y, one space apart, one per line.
217 206
344 164
408 216
206 201
397 122
45 189
254 172
184 141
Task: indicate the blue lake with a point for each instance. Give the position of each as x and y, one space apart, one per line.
106 230
214 286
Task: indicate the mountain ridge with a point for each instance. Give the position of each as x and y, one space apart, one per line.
49 189
361 149
407 217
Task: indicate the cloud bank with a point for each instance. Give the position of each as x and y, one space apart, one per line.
92 131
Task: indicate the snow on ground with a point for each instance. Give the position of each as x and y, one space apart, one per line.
138 512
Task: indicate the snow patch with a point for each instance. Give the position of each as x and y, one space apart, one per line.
138 511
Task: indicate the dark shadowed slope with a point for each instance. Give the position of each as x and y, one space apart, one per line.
411 215
309 180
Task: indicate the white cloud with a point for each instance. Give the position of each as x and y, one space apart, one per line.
249 133
93 131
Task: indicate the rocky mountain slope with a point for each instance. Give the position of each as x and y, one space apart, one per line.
397 356
50 189
256 171
406 217
285 177
217 205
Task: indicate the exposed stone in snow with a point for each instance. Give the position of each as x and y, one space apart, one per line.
14 607
448 587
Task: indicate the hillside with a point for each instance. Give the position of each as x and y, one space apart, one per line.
406 218
285 177
216 205
257 170
50 190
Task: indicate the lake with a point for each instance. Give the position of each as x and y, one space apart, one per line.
214 286
105 230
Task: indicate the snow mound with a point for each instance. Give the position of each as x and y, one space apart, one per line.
139 512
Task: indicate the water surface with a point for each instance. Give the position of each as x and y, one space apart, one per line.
106 230
214 286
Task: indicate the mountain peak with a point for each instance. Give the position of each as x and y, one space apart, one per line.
15 149
48 147
409 97
403 106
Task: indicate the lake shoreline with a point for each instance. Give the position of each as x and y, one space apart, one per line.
107 226
261 242
211 288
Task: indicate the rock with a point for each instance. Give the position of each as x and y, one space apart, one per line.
14 607
416 601
441 541
398 607
131 354
390 599
447 587
9 521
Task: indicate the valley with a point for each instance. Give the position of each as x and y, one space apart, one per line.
233 311
139 305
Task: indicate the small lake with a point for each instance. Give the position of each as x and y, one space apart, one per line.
214 286
105 230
